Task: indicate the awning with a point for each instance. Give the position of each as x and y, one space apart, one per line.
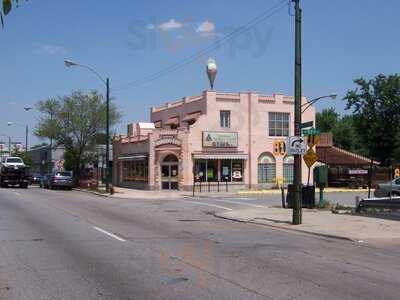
172 121
133 157
220 156
332 156
192 116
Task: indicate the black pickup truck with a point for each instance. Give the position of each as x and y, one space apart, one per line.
13 171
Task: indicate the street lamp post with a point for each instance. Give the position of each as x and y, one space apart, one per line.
26 133
69 63
27 130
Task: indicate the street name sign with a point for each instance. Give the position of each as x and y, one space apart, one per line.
311 131
307 124
296 145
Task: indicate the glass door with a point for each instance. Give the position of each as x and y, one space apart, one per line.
169 176
165 177
173 177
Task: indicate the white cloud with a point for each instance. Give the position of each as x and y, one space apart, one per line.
54 49
170 25
206 28
151 27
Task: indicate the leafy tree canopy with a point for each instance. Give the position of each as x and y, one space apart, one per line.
375 104
326 120
342 129
6 8
75 121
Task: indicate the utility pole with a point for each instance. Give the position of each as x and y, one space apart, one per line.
108 135
297 206
26 138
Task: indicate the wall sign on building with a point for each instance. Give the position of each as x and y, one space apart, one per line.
167 141
214 139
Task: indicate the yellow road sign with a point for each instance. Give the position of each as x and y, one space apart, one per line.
313 140
310 157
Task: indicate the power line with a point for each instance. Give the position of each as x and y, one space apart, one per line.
178 65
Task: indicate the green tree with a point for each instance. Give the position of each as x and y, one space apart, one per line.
75 121
375 104
326 120
6 8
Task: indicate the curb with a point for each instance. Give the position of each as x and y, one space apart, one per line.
324 235
278 192
91 192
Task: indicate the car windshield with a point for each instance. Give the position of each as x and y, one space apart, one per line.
14 160
67 174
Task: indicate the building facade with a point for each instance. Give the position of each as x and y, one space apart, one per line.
214 138
46 158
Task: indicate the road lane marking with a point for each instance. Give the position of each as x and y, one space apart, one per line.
109 234
241 203
207 204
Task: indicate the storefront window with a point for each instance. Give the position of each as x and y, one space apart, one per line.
237 170
200 170
134 170
226 170
214 170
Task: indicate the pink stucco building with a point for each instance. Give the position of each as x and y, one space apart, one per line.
212 138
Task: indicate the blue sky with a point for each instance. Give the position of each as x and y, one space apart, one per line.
127 40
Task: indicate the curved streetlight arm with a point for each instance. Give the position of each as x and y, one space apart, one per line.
13 123
308 104
69 64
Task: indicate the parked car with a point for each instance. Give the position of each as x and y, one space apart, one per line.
383 189
59 179
36 178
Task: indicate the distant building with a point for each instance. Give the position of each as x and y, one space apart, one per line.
212 138
46 159
347 169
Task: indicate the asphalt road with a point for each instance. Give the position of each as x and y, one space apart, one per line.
73 245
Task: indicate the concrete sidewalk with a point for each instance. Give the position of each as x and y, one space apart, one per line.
174 194
323 223
163 194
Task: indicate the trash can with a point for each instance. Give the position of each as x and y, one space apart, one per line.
307 193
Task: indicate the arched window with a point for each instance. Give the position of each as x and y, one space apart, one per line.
288 169
170 158
266 168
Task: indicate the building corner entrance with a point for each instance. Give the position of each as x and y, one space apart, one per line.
169 173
